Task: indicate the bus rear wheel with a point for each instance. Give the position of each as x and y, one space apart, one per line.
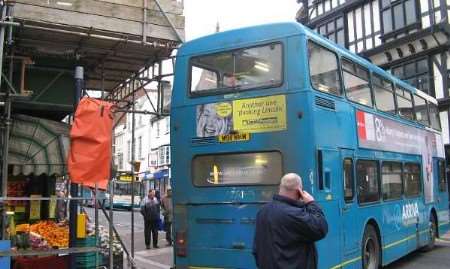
432 233
370 249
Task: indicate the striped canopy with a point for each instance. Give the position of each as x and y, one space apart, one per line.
38 146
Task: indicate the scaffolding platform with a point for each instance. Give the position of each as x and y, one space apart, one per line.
111 39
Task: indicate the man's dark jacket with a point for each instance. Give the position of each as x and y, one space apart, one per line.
286 230
150 210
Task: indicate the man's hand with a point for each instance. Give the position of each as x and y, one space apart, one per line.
307 198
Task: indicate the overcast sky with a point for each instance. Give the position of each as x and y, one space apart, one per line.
203 15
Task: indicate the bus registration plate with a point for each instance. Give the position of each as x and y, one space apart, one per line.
226 138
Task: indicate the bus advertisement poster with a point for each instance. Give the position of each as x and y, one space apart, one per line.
254 115
380 133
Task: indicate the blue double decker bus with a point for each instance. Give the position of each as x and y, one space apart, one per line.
252 104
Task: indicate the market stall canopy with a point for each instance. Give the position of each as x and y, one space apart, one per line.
38 146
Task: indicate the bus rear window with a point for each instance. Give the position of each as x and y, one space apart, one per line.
237 70
262 168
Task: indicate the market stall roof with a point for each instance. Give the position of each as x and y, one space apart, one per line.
38 146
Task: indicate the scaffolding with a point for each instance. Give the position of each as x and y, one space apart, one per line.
118 65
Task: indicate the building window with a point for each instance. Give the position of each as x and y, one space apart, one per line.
333 30
384 94
129 150
348 180
367 180
153 159
416 73
391 177
398 15
167 155
120 161
140 147
158 130
412 179
363 27
167 125
164 155
324 77
356 83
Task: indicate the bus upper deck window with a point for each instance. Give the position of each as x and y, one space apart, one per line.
404 103
241 69
356 82
384 94
421 109
434 116
324 77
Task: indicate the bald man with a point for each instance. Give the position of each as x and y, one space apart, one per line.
287 227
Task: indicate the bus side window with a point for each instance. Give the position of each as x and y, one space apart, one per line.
421 108
356 83
392 180
324 77
411 175
367 180
442 176
383 91
349 189
404 103
434 116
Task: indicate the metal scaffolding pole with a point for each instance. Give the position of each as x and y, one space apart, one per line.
6 116
133 160
73 204
111 220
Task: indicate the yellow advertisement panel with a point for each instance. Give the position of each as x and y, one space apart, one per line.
265 114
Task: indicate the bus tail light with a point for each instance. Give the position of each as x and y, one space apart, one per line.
181 244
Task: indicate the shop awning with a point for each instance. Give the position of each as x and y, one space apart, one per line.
38 146
161 174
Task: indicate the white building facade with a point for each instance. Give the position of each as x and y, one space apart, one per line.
152 145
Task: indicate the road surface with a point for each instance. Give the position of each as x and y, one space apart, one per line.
161 258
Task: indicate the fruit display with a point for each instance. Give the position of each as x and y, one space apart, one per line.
37 242
55 235
23 228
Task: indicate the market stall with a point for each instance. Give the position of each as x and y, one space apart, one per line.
37 230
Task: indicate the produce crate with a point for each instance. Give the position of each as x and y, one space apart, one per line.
87 260
86 242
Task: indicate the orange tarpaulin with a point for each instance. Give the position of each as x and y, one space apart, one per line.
89 159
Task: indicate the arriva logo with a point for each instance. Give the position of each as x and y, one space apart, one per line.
410 212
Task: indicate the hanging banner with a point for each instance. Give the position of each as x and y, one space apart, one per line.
375 132
90 150
254 115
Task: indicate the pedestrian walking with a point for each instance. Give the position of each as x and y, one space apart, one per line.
167 207
287 227
150 210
